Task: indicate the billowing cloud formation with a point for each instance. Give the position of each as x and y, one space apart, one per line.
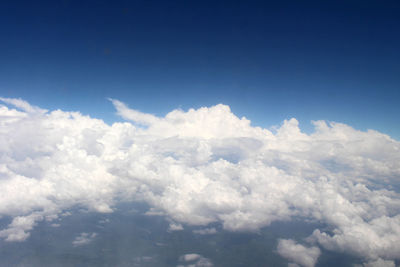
298 254
200 167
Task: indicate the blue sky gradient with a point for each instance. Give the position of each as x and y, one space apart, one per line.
200 186
269 61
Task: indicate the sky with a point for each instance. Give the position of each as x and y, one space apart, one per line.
199 133
267 60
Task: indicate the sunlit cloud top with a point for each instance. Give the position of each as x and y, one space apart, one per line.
200 167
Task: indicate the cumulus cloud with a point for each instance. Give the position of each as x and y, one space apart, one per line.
194 260
18 229
175 227
203 166
297 253
83 239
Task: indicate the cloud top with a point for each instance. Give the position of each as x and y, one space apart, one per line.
204 166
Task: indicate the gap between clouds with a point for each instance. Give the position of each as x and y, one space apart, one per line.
200 167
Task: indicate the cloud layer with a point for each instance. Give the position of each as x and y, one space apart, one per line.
200 167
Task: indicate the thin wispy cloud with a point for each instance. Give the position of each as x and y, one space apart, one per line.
205 231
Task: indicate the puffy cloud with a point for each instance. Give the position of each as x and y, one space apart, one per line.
214 122
373 239
83 239
175 227
19 227
203 166
194 260
297 253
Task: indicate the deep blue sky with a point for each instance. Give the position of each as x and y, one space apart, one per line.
332 60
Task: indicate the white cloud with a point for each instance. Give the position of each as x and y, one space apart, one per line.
380 263
22 104
190 257
194 260
134 115
297 253
18 229
84 239
203 166
175 227
205 231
